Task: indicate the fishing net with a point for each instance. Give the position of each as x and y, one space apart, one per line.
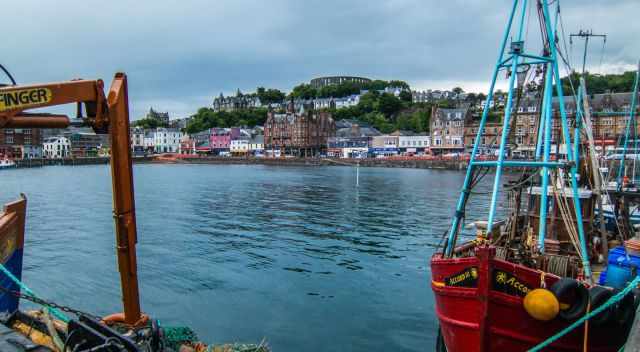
177 337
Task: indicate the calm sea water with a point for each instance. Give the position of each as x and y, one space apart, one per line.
298 256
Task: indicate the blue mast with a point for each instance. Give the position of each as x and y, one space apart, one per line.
518 57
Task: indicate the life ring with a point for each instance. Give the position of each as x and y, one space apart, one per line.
118 318
598 295
570 290
625 310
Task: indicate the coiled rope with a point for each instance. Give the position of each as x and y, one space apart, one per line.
617 297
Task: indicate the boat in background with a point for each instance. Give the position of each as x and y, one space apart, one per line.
7 164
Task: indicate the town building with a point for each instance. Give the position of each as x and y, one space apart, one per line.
329 80
56 147
162 117
85 144
167 140
220 139
490 141
20 143
447 130
256 144
239 102
302 133
351 139
411 144
383 146
239 146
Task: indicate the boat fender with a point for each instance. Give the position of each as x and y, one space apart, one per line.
598 295
541 304
625 310
567 289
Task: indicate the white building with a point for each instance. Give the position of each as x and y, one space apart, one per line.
414 144
56 147
167 140
239 145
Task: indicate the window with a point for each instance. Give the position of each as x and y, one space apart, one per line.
9 139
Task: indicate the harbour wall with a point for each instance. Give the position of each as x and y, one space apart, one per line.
380 162
390 162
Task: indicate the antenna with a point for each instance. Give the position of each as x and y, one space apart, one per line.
586 34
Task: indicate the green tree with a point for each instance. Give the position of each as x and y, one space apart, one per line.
149 123
269 96
457 90
368 101
406 96
304 91
399 84
389 104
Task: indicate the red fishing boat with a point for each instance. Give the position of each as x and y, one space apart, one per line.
528 282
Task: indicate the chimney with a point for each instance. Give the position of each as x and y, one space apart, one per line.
355 129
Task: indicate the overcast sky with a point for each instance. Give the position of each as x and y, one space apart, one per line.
179 54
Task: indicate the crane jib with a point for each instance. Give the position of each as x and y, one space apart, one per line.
24 98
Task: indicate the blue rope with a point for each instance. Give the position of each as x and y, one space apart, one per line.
58 314
617 297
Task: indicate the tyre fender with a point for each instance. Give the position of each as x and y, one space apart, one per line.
598 295
571 289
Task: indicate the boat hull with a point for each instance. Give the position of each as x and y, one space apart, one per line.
12 222
487 314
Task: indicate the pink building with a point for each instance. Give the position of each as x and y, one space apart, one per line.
220 139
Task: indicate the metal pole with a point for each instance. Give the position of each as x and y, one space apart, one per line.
464 194
542 230
574 169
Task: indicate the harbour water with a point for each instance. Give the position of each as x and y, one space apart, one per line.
299 256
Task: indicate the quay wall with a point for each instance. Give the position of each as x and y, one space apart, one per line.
71 161
394 163
390 162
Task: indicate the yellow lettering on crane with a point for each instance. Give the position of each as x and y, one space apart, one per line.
24 98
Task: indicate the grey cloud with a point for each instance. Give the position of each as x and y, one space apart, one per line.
178 54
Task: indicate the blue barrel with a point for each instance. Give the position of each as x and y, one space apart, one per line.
619 269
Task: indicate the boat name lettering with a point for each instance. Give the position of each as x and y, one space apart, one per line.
509 284
466 278
23 98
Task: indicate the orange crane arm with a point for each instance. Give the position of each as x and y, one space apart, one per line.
108 114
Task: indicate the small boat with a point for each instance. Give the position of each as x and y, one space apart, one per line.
7 164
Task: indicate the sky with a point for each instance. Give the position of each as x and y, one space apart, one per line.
178 55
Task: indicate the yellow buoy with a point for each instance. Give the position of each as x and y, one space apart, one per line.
541 304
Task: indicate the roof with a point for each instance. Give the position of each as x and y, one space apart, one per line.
360 132
402 133
258 139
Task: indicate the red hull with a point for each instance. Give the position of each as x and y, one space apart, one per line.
490 317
